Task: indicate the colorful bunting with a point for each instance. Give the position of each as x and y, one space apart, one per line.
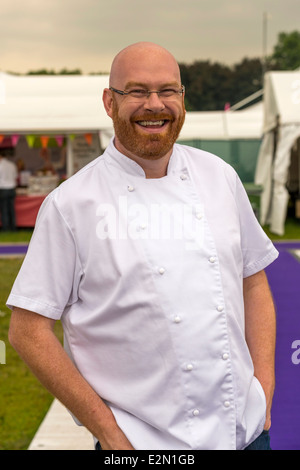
59 140
30 140
89 138
14 139
44 141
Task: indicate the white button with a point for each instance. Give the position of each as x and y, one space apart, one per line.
220 308
189 367
130 188
198 215
196 412
225 356
161 270
212 259
143 226
183 177
227 404
177 319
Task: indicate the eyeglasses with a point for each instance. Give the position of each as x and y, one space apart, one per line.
167 94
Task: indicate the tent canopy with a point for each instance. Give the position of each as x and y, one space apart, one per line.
73 103
282 98
53 103
223 125
281 114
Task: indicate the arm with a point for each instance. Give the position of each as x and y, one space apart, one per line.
260 327
33 338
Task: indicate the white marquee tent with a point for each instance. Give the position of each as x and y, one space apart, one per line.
281 116
53 104
223 125
67 105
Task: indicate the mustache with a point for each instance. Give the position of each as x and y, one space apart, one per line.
153 117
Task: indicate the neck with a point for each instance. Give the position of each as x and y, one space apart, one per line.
156 168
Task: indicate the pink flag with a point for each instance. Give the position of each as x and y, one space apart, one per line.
59 139
15 139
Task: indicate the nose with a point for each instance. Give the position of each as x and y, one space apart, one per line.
154 103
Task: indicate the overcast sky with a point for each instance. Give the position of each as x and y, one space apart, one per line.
86 34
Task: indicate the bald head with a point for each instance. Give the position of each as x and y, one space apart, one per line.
139 58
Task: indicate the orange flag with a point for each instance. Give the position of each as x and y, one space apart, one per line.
88 138
44 141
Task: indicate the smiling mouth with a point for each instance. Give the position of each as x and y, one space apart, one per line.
151 123
155 123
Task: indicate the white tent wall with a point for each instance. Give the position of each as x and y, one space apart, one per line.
263 175
281 115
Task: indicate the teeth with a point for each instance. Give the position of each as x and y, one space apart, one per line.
151 123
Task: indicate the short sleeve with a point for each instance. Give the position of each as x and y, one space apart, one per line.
257 249
49 276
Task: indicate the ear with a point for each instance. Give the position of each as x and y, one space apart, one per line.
107 101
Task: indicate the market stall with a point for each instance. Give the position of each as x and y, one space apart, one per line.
49 125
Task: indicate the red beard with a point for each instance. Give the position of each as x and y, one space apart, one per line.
148 146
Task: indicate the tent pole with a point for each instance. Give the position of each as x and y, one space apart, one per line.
70 160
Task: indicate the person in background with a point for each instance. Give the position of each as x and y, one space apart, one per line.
154 261
8 183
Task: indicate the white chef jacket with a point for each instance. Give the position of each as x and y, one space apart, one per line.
146 276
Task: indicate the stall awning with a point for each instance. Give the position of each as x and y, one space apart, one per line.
53 104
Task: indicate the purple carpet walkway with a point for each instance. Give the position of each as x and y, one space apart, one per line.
17 249
284 279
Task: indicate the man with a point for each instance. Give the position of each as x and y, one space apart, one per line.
8 183
153 259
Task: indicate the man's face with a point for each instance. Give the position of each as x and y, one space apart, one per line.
147 128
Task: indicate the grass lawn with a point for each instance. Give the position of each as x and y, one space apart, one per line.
23 401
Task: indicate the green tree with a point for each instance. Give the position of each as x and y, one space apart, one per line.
286 53
63 71
246 79
209 86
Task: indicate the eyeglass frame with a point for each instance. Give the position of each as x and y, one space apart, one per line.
126 93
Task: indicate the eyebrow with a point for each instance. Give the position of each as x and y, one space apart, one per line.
142 85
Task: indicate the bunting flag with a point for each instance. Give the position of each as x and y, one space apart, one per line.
14 139
30 140
59 140
89 138
44 141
